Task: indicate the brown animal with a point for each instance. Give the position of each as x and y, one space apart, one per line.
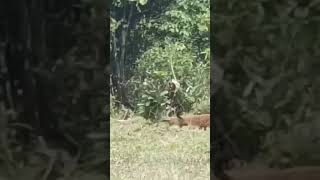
176 121
297 173
202 121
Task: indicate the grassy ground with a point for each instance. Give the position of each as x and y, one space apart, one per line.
140 150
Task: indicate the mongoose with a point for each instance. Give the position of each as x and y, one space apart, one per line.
202 121
176 121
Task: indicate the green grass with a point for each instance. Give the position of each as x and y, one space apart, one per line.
140 150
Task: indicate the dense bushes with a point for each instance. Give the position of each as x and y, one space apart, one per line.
157 67
164 41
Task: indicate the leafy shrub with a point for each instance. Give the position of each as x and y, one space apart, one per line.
202 107
153 72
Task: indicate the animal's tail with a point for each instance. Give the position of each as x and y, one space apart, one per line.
164 120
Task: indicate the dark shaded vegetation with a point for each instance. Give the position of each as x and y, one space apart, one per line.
266 79
53 89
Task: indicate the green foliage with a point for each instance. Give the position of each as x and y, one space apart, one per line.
171 34
202 107
184 21
153 73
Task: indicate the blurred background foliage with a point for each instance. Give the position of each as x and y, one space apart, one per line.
266 57
53 89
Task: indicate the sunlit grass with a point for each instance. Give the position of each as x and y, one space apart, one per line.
140 150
